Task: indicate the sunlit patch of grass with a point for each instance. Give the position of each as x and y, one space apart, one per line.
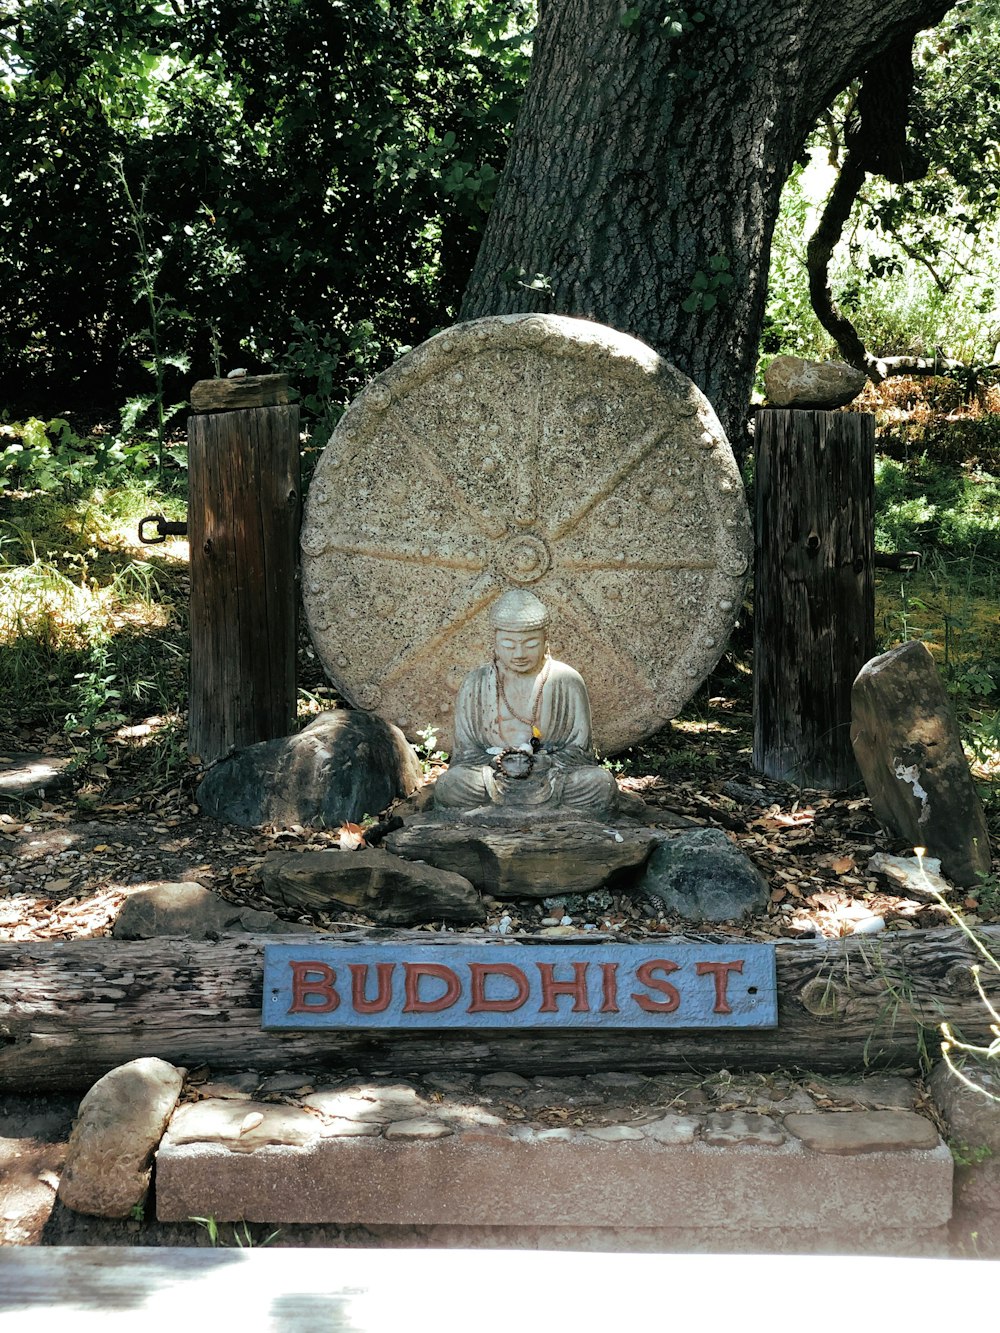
92 624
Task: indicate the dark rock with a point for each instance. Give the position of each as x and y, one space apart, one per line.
342 766
390 890
702 877
744 795
791 381
526 860
188 909
908 748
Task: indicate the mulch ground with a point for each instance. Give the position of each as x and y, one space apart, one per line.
69 857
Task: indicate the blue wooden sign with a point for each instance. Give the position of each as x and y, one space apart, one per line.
675 984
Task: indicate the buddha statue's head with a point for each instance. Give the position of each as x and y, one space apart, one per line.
520 632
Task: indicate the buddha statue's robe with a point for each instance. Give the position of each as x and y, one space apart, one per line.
565 772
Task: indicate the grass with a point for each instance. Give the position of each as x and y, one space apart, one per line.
92 625
94 638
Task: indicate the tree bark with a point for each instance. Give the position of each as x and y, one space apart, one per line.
641 155
71 1011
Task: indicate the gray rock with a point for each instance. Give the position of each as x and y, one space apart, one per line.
189 909
30 774
340 767
502 1079
908 748
525 860
120 1122
619 1080
791 381
418 1129
973 1116
614 1133
702 877
974 1135
673 1129
848 1132
390 890
723 1128
242 1126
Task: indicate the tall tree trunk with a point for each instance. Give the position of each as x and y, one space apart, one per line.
641 155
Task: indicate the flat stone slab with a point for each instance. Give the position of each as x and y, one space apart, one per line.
28 774
531 858
240 1126
596 1176
849 1132
576 1153
391 890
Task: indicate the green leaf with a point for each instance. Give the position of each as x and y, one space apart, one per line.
630 16
708 301
692 303
699 283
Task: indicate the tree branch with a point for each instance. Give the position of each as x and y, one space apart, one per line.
819 253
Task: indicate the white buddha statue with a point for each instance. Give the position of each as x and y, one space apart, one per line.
522 725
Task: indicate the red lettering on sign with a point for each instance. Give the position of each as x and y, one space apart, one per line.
479 1004
359 984
551 989
609 986
644 974
721 973
321 984
413 1004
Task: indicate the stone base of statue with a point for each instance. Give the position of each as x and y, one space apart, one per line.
526 810
510 855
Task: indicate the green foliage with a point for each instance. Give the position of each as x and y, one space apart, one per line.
922 504
51 456
218 177
708 289
427 751
242 1236
965 1154
90 636
916 271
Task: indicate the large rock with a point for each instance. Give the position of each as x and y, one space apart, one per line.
390 890
342 766
702 877
118 1127
908 748
531 859
973 1116
188 909
790 381
530 451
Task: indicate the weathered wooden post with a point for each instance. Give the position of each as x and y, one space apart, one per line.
814 590
243 527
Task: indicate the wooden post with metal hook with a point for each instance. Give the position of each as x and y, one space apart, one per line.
243 527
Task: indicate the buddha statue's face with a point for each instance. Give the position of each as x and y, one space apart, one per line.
522 652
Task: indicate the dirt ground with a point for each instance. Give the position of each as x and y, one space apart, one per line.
69 857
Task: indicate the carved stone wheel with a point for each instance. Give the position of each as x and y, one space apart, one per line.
533 451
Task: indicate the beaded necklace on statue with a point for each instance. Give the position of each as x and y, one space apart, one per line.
531 721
